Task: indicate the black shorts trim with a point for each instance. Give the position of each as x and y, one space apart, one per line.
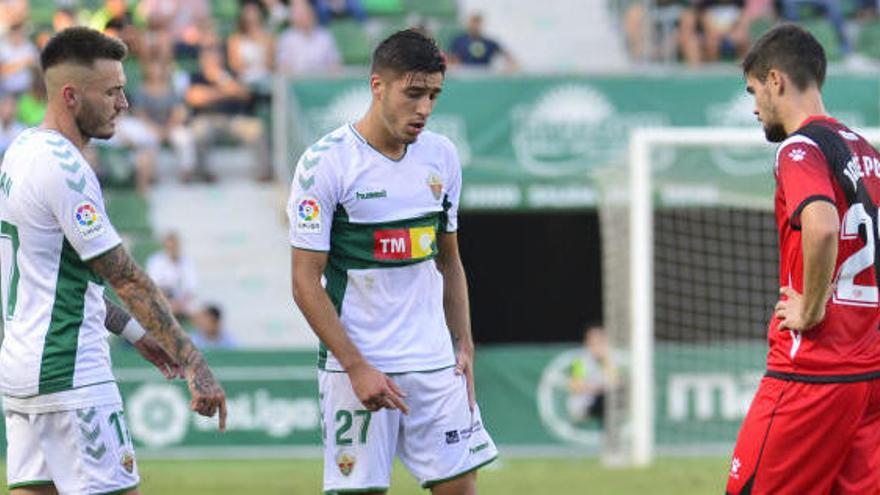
796 225
794 377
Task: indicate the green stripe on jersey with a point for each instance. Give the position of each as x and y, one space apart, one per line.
383 245
59 349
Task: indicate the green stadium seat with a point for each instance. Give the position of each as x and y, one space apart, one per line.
383 7
41 14
760 26
128 211
824 32
354 45
142 248
446 32
868 42
438 9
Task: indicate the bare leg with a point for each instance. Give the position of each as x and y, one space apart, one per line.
465 484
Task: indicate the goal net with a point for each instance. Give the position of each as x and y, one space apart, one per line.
690 264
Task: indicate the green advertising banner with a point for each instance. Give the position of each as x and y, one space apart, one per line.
702 395
537 142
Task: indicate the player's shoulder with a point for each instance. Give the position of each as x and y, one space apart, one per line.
796 148
330 147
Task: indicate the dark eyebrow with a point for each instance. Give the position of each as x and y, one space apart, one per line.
750 90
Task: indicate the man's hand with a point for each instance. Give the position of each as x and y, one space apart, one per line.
464 365
208 396
153 352
791 312
375 389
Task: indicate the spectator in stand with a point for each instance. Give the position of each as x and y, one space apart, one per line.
790 10
714 29
9 124
32 105
158 116
329 10
659 40
174 274
221 106
189 22
18 58
250 48
13 12
210 332
62 19
117 20
277 13
473 49
306 48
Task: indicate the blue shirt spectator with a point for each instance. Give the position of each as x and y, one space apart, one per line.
472 48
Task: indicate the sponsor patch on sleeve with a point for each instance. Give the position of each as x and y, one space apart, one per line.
308 216
88 220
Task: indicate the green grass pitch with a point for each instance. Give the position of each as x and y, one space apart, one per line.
692 476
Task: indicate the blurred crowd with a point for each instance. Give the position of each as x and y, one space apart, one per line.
193 80
704 31
199 77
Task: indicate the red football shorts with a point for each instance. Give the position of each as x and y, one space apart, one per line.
809 438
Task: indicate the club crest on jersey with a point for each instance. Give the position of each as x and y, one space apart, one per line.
88 220
308 216
127 462
345 462
436 184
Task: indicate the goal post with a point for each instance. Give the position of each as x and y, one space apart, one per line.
690 282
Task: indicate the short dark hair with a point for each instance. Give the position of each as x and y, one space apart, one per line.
409 51
790 49
82 46
215 311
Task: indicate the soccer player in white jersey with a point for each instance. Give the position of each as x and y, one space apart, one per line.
373 208
64 421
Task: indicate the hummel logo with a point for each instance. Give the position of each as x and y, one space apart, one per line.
372 194
797 154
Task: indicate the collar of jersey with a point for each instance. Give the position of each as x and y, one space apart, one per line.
816 118
383 155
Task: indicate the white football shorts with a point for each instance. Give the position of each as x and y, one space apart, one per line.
81 451
440 439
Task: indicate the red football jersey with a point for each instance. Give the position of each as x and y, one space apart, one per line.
826 161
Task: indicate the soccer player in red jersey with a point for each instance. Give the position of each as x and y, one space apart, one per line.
814 424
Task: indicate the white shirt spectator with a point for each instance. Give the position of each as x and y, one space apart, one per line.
177 279
299 53
18 58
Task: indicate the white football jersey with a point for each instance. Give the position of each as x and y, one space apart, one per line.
378 220
52 220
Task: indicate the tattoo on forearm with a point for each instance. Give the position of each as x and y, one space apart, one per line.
116 318
145 301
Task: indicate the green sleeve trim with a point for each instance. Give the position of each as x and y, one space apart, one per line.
71 388
395 373
324 251
119 492
430 483
357 490
23 484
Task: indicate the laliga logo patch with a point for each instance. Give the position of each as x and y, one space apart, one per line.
346 463
88 220
127 462
308 212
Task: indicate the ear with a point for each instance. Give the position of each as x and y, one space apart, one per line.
69 96
376 85
776 82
